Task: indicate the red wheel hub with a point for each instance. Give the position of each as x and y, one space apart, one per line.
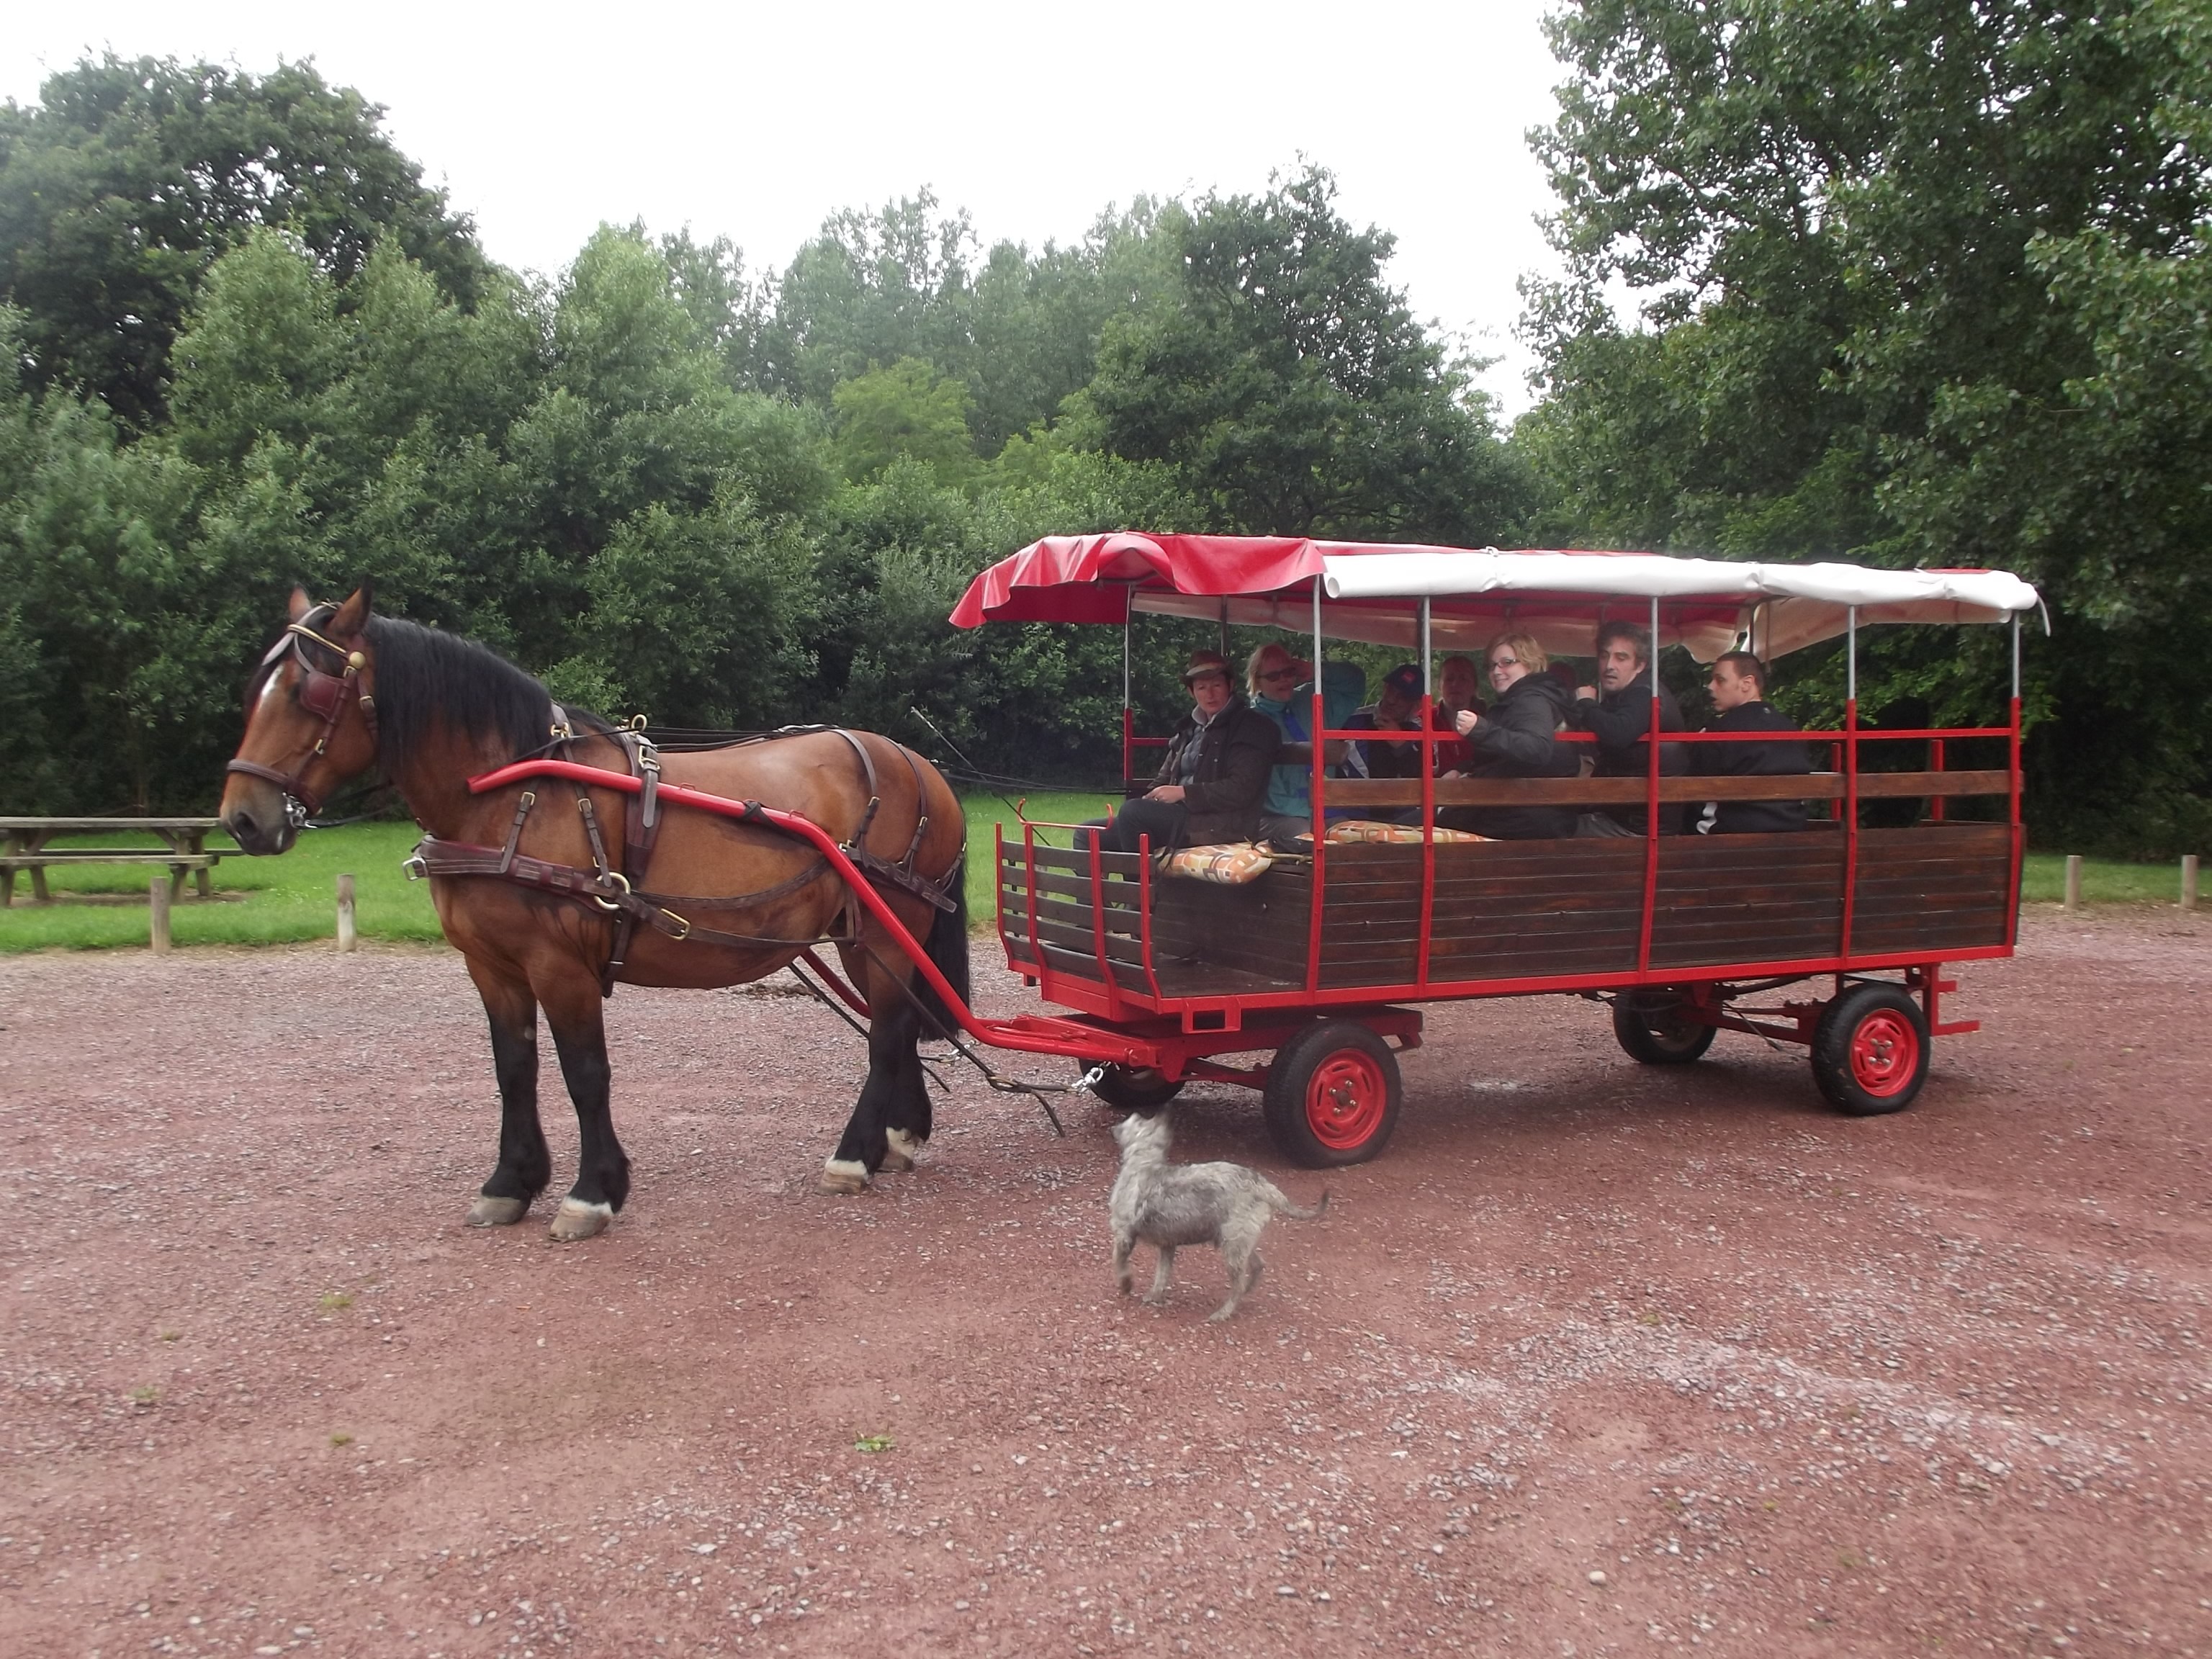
1345 1099
1885 1053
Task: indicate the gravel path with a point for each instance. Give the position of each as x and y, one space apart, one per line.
1597 1358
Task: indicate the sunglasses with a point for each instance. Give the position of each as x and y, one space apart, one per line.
1280 674
1504 662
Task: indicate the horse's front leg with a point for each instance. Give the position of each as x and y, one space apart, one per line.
862 1150
524 1165
580 1037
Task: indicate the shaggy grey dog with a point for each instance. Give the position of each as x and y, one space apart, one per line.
1172 1205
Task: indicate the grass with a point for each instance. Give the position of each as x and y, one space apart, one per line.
286 900
283 900
2104 881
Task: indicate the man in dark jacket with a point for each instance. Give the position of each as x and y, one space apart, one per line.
1393 710
1209 788
1739 688
1617 711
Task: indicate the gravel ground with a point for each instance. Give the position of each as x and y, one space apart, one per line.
1598 1358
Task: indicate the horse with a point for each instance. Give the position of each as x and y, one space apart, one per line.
547 919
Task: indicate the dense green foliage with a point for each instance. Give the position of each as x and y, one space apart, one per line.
728 499
1915 284
1921 284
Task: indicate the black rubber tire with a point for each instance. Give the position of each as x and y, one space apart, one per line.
1870 1050
1648 1034
1126 1091
1340 1060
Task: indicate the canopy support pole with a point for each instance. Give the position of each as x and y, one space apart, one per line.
1225 638
2019 834
1650 809
1850 777
1314 786
1427 751
1128 714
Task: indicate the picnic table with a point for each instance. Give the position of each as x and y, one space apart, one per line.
26 844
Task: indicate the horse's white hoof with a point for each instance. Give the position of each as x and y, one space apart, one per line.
843 1176
897 1162
490 1212
905 1150
574 1221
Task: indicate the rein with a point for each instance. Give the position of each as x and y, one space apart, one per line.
320 694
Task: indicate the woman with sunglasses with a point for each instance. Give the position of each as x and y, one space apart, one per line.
1514 739
1281 687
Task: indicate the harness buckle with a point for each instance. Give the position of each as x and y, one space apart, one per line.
612 906
683 925
414 867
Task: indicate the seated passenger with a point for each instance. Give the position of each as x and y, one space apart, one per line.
1281 689
1618 709
1456 696
1739 688
1209 788
1393 710
1514 739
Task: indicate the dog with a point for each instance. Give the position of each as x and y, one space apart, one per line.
1168 1205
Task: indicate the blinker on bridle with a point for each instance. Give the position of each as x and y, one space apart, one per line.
321 693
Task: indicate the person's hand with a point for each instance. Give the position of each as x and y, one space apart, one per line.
1454 773
1466 722
1590 691
1167 792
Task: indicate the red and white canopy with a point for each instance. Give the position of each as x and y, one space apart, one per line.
1368 592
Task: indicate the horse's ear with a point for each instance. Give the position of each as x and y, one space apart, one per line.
353 614
301 605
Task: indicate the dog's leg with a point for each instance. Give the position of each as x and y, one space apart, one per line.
1242 1262
1161 1276
1123 1243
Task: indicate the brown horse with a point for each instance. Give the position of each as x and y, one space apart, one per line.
534 883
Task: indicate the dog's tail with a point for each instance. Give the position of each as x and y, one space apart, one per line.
1282 1206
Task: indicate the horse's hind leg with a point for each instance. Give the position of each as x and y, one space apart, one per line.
907 1121
863 1147
524 1165
572 1010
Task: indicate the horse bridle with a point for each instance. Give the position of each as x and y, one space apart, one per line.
320 693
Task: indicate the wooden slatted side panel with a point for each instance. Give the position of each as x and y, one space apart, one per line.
1934 887
1748 898
1207 937
1064 922
1503 909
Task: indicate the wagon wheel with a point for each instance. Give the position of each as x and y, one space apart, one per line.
1656 1031
1134 1088
1870 1050
1332 1095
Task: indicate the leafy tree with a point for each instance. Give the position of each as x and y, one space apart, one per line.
1292 389
131 177
904 410
1894 262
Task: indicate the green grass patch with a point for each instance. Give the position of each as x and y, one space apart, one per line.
2104 881
283 900
278 900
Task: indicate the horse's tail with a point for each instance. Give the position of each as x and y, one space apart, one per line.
947 946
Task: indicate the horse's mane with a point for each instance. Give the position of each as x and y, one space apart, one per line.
424 678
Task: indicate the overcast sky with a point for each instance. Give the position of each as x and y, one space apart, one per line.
756 121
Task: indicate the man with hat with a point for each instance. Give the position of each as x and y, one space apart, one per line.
1392 710
1209 788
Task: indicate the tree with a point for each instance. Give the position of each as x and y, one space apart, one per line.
904 410
131 177
1292 389
1904 269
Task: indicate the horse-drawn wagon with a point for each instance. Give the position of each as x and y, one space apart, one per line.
722 865
1314 962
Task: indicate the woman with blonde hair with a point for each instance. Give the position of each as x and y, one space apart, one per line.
1514 738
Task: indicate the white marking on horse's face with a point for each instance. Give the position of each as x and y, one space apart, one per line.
845 1166
901 1141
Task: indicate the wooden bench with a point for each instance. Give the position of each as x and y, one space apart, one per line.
26 844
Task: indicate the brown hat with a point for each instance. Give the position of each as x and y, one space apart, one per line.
1204 662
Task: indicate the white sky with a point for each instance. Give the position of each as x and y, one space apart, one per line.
757 121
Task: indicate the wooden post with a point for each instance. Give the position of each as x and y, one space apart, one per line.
2189 881
2073 881
158 896
345 913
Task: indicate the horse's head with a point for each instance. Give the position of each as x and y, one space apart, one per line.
310 723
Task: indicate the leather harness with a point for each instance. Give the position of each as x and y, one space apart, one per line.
619 890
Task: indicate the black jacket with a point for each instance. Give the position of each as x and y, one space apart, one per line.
1514 740
1236 754
1621 722
1381 757
1750 760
